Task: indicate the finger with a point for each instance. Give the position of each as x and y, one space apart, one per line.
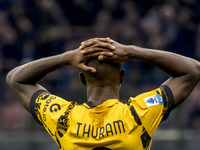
107 58
100 57
109 54
87 40
91 41
83 67
101 39
88 43
97 54
96 49
95 41
107 40
104 45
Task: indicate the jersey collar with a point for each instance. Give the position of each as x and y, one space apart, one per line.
106 104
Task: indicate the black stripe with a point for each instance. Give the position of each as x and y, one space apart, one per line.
135 115
168 100
145 137
33 104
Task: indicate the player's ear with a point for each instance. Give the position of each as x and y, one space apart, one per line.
82 78
122 75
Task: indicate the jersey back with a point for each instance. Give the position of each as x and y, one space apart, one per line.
111 125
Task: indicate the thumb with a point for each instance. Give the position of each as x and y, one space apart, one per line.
105 58
85 68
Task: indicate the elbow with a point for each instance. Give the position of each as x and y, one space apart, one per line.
10 78
195 73
198 70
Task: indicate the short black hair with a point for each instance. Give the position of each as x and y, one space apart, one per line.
105 69
96 63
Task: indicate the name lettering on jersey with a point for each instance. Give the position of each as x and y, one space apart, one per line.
88 130
153 100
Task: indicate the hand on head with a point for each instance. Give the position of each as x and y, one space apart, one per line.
97 47
104 49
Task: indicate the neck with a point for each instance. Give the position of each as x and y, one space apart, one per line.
99 94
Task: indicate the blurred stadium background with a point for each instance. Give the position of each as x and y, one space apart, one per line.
31 29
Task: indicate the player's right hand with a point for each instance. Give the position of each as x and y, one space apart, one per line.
103 46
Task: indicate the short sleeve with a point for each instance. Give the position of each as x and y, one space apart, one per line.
34 107
153 107
168 100
47 109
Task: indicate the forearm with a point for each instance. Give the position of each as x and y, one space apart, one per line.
173 64
32 72
23 79
184 71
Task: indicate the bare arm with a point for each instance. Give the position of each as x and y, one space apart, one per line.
23 79
184 71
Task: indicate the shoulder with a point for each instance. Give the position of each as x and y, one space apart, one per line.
160 98
44 104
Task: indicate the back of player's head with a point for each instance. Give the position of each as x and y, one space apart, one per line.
107 72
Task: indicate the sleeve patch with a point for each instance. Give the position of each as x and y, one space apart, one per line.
153 100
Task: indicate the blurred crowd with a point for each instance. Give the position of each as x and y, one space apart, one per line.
32 29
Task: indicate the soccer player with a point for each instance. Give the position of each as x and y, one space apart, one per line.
103 122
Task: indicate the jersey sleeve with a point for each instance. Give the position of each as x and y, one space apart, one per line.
50 111
152 107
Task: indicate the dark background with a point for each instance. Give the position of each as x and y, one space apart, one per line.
32 29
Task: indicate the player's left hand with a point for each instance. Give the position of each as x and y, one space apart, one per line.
103 46
97 45
78 60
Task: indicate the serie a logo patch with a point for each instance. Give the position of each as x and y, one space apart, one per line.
153 100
